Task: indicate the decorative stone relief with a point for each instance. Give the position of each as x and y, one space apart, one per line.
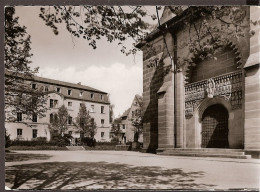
210 88
228 86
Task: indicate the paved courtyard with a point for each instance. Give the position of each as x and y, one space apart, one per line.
127 170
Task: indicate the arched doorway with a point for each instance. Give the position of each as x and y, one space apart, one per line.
215 127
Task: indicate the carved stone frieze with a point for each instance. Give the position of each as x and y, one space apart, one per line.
228 86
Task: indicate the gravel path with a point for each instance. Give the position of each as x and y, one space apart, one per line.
130 170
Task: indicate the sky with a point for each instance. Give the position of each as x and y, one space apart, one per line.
104 68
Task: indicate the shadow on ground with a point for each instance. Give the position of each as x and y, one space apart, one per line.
99 175
11 157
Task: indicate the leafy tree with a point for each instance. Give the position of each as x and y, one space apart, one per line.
85 123
116 126
60 121
137 121
20 96
210 28
115 23
111 113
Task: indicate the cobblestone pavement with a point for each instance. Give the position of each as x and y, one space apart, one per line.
129 170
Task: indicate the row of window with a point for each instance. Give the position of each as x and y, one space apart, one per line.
35 133
35 118
20 133
20 117
69 91
54 104
92 109
52 118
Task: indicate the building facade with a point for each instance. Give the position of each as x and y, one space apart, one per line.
211 103
123 124
127 117
71 96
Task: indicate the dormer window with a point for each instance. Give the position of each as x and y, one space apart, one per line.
58 89
81 93
92 95
69 91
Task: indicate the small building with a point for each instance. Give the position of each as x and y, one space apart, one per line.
126 123
71 96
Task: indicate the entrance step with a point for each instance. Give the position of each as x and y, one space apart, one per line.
224 153
75 148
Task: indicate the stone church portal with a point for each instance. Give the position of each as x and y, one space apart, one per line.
203 103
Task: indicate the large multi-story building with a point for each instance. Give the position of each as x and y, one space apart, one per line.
71 96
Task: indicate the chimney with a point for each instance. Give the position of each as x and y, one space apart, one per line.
79 83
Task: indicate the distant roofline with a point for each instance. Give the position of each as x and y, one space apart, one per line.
67 84
36 78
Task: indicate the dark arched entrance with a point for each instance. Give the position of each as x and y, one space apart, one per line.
215 127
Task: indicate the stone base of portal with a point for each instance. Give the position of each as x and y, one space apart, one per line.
206 152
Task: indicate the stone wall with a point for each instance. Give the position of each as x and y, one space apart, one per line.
153 79
158 91
252 87
224 63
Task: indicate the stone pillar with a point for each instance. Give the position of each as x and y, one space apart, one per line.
166 112
252 88
165 117
179 109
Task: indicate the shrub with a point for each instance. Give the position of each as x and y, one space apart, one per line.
60 141
99 143
35 142
101 147
41 139
91 142
38 147
115 140
129 143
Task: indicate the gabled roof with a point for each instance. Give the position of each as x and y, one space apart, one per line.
139 99
125 114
